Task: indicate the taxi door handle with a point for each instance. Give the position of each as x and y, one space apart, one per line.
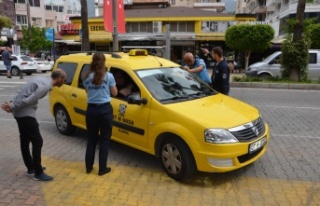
73 95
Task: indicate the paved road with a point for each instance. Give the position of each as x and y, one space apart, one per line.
288 174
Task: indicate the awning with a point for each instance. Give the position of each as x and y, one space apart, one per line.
278 41
68 42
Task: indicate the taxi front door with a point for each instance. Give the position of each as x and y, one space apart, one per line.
130 123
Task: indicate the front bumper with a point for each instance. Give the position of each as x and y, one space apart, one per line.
228 157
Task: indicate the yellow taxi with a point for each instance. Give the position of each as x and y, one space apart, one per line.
165 111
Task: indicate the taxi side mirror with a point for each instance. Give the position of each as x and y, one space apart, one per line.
132 99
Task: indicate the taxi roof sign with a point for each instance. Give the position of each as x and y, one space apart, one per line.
138 52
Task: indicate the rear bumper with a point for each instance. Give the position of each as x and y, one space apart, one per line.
252 73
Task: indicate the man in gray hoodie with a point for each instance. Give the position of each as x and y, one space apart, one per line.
23 107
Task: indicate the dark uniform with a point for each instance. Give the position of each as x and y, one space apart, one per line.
220 77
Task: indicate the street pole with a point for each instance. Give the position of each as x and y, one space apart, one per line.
54 46
115 40
168 43
29 31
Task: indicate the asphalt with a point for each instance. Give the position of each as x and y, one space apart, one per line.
288 174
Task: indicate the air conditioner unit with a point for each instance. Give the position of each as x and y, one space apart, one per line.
157 27
19 27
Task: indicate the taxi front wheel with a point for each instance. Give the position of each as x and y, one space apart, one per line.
63 121
177 159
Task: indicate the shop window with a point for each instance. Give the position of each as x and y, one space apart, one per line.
20 1
139 27
21 19
35 3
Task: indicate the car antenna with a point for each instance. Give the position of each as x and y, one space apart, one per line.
156 58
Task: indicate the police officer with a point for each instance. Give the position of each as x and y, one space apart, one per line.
220 78
197 66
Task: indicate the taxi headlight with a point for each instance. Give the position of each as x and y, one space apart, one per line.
219 136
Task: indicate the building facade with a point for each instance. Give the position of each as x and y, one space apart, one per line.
257 7
7 8
43 13
278 11
190 29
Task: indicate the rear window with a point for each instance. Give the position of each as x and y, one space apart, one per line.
26 58
312 58
70 69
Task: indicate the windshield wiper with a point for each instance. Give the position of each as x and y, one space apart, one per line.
175 98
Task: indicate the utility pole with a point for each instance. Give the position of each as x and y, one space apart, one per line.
29 30
168 43
115 40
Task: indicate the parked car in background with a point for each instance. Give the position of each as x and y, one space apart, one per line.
271 66
20 63
43 65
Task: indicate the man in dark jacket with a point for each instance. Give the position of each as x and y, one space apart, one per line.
220 77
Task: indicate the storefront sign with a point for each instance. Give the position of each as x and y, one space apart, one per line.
216 26
69 29
96 28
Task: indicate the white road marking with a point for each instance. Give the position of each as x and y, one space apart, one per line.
13 82
299 136
13 120
288 107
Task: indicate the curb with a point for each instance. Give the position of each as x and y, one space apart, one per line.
275 85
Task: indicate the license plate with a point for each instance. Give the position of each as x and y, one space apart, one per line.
257 145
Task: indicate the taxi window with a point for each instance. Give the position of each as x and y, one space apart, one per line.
125 84
84 70
70 69
312 58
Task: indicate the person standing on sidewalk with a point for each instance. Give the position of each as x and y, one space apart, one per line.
6 58
23 106
221 76
99 84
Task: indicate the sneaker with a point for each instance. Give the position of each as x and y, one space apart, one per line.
9 77
30 173
42 177
107 170
88 170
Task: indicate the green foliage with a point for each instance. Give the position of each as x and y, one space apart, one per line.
270 80
314 34
249 38
5 22
2 43
295 56
34 39
289 25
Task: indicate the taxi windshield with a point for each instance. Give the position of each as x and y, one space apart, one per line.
173 84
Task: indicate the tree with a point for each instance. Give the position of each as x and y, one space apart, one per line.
35 39
299 44
314 33
5 22
84 26
249 38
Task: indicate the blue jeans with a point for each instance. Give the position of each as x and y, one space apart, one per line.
8 67
99 119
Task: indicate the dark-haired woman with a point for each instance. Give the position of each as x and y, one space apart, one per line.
99 84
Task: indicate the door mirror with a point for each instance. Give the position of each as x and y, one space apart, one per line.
134 99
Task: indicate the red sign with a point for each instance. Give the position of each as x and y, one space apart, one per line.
108 15
69 32
121 21
69 27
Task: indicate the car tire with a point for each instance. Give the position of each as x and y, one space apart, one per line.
28 73
15 71
264 76
43 71
176 159
63 121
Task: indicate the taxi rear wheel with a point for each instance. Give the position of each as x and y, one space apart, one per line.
177 159
63 121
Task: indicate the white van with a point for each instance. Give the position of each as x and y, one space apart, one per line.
270 66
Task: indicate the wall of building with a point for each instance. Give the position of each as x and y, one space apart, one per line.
7 9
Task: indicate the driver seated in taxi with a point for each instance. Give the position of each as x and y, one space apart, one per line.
125 85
